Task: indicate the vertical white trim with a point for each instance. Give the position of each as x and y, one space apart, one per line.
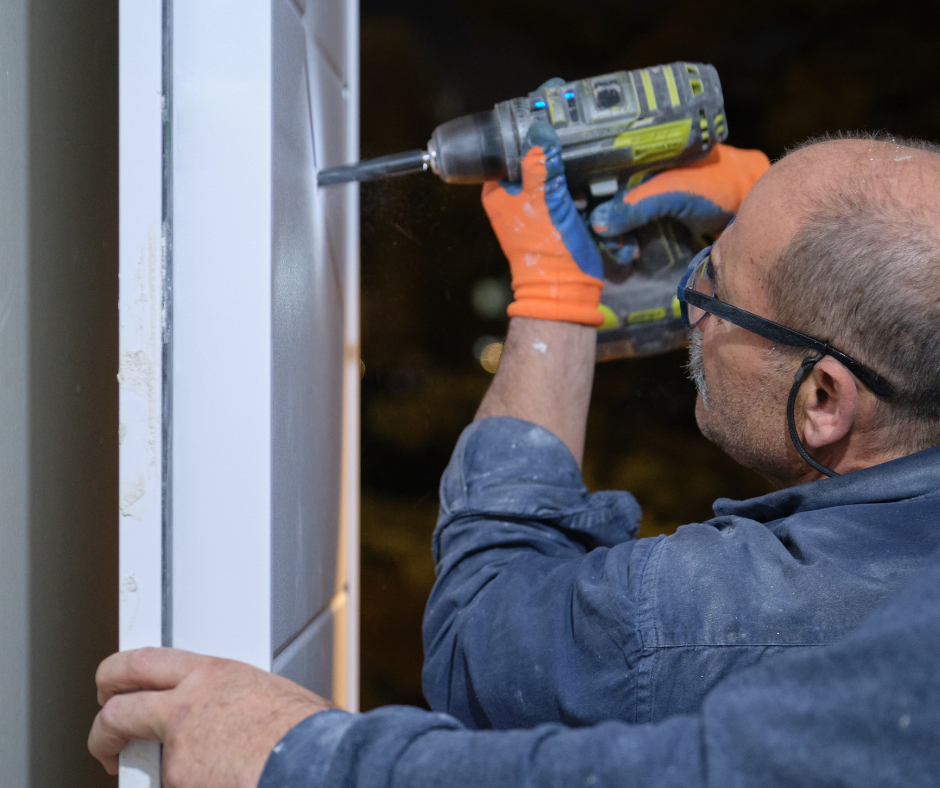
352 374
222 312
141 347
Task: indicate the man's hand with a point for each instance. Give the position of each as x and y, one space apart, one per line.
703 196
556 268
547 365
218 719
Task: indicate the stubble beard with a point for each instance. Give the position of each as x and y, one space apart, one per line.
750 427
696 366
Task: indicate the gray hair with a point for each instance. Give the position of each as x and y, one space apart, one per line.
863 273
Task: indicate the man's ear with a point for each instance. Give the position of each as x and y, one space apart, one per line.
829 403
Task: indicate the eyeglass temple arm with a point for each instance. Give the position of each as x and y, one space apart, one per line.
774 332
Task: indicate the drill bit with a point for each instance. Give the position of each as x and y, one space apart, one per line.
375 169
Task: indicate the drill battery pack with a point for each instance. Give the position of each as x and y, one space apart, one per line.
639 302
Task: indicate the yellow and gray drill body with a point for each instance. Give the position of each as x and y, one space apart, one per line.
611 128
614 129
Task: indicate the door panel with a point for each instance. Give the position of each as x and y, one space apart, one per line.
308 353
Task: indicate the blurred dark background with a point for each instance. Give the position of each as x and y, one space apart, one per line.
432 270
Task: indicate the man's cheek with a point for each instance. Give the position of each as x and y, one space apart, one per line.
729 363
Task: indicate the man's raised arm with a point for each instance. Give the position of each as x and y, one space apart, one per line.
547 365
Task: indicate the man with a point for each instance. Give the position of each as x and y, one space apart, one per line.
540 627
546 607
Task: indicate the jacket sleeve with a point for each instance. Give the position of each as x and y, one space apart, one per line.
857 713
533 617
400 747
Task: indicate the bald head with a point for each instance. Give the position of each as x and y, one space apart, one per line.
907 172
902 175
851 255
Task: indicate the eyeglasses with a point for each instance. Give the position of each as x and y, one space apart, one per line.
696 295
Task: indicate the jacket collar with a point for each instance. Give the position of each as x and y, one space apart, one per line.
913 476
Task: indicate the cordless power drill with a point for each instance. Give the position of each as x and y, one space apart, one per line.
614 130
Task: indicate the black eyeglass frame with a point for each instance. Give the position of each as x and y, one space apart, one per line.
768 329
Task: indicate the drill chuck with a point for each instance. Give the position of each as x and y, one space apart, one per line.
475 148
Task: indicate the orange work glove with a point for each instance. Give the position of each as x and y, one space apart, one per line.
556 267
703 196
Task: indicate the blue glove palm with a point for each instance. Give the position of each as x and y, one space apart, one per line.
703 196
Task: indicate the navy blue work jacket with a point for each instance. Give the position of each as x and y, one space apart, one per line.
862 712
548 609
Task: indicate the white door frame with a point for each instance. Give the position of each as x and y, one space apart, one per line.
196 337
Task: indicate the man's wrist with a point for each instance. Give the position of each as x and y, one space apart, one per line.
572 301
